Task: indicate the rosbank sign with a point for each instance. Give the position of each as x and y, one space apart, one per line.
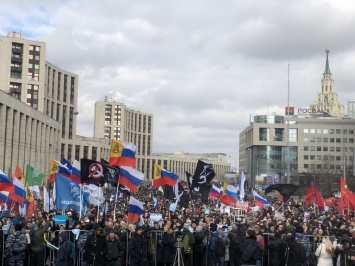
312 111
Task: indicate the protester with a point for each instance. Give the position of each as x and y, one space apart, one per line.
65 252
94 248
16 245
38 243
325 252
135 247
114 250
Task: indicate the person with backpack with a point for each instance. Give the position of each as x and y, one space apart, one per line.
16 245
188 241
250 250
66 252
304 240
94 247
212 258
81 242
223 243
295 251
277 249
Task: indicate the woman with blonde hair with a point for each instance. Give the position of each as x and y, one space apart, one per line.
325 252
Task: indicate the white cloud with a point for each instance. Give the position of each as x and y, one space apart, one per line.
201 67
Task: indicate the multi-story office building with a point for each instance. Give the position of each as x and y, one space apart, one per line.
28 77
115 120
279 147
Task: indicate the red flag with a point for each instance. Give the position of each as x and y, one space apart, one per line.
319 200
345 192
281 198
309 196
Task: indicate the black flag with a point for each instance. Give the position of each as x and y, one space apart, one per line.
169 192
92 172
124 189
286 190
184 197
203 176
112 172
195 193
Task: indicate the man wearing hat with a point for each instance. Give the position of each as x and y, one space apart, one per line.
343 251
16 245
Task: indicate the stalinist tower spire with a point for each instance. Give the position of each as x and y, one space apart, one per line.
327 99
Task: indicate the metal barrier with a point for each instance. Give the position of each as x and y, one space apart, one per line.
152 238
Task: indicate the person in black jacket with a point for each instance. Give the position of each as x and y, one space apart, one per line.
114 250
165 253
277 250
200 247
250 240
135 247
94 248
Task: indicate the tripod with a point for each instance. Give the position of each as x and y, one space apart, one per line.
178 260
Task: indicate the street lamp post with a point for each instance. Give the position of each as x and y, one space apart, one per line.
235 162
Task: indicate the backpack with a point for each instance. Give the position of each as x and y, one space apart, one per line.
221 248
185 242
72 254
297 251
253 251
82 239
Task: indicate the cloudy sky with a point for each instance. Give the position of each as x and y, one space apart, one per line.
201 67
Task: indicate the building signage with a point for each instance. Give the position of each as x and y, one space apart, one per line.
313 111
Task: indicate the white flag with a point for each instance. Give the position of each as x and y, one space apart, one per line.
46 200
241 192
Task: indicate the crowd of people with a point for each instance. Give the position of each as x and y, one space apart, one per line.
197 234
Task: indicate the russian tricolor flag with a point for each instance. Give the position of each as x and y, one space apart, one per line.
216 192
163 177
230 194
135 209
260 201
19 194
6 183
130 177
76 174
122 154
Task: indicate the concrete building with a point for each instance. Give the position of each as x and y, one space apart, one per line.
26 136
115 120
351 109
275 148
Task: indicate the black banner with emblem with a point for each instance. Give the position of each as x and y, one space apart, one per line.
92 172
111 172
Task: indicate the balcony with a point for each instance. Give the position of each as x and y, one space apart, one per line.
18 50
17 69
16 59
15 90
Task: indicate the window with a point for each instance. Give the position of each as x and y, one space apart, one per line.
319 139
15 75
278 134
351 132
305 130
338 131
312 131
331 148
325 148
325 131
319 148
305 139
345 140
312 157
319 166
293 135
305 148
338 149
312 139
325 157
264 134
312 148
351 140
338 158
338 140
331 140
345 131
319 157
325 140
319 131
305 157
305 166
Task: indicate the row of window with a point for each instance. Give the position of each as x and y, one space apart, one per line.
327 148
321 166
329 158
328 131
326 140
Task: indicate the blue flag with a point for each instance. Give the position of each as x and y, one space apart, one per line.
68 193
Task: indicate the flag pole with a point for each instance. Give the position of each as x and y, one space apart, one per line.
81 201
98 205
114 210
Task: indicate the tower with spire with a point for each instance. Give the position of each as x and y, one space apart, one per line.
327 99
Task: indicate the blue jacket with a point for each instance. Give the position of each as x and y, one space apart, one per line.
212 246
